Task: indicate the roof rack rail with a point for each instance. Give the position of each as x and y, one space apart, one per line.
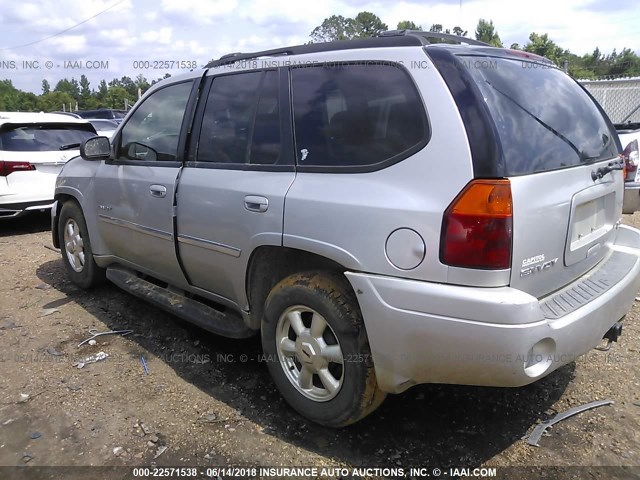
392 38
427 35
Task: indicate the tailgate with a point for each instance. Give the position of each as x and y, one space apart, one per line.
47 167
556 146
563 225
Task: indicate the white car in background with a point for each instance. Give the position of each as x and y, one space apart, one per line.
33 149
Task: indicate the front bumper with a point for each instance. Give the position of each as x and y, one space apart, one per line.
631 202
423 332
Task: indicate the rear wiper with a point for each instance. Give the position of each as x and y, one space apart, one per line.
69 146
602 171
540 121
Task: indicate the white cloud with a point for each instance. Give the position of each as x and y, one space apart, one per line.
161 36
200 30
198 11
283 11
70 44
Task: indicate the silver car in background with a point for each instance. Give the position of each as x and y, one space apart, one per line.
383 212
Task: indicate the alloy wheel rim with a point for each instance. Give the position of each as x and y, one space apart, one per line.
310 353
74 245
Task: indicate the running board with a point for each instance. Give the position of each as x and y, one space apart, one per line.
225 324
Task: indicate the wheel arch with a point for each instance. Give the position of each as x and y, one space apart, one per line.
268 265
61 198
65 194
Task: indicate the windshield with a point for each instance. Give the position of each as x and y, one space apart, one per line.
544 119
42 138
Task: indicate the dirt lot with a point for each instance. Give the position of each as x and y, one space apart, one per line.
209 405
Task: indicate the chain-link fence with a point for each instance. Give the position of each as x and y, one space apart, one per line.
620 98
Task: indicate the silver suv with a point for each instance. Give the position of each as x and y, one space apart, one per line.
383 212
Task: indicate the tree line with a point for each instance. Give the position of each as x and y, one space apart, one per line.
74 93
589 65
118 92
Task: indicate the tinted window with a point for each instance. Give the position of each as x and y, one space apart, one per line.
544 119
265 144
355 115
152 131
43 138
228 118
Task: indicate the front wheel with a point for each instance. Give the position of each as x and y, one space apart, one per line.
75 245
317 349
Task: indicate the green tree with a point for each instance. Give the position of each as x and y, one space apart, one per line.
624 63
408 25
542 45
8 96
116 96
85 102
127 83
54 101
438 28
368 24
486 32
70 87
336 27
28 102
103 89
142 83
46 88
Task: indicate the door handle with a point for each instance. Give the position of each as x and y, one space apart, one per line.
159 191
254 203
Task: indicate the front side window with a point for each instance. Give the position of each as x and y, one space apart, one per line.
356 115
241 120
153 130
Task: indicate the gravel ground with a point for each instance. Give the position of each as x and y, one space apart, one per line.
204 403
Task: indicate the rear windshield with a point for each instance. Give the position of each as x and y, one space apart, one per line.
30 138
544 119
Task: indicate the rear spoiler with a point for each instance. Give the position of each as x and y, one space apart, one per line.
5 127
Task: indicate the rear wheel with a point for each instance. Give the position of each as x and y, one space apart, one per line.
317 349
75 245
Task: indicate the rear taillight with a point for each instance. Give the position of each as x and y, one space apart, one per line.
7 168
631 158
477 227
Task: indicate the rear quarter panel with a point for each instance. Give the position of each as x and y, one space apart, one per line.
349 216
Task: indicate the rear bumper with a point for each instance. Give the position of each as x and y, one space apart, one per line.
631 202
54 224
423 332
13 210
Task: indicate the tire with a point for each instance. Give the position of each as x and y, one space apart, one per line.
75 247
324 368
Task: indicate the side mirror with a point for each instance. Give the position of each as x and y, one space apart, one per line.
95 148
140 151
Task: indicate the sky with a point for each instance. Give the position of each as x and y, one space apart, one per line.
41 39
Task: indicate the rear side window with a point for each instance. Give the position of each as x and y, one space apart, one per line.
544 119
356 115
43 138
